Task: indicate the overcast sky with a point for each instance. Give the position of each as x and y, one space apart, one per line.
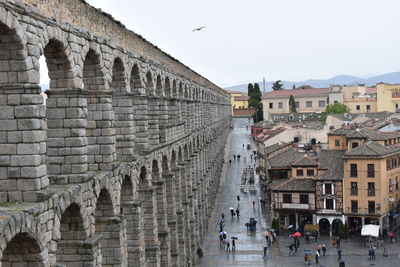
277 39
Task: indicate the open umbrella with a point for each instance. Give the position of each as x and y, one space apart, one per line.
267 233
290 226
234 237
390 234
231 208
297 234
223 232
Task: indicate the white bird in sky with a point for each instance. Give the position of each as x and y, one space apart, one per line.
198 29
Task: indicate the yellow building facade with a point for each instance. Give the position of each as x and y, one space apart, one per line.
388 97
238 100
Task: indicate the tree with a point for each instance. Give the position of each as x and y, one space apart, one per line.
250 89
336 108
277 85
254 96
294 86
292 105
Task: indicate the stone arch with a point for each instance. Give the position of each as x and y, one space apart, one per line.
336 225
136 81
149 83
119 81
159 86
24 250
174 89
100 130
92 74
14 54
147 196
167 86
73 230
324 226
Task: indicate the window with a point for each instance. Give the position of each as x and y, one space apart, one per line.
310 172
371 189
308 104
368 107
299 172
353 170
397 105
354 145
354 188
280 105
271 105
371 170
358 107
328 189
337 142
287 198
297 104
303 199
334 102
388 164
371 206
329 204
321 103
354 206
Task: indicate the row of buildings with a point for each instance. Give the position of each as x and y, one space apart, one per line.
360 99
350 175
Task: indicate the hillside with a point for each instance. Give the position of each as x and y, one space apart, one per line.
393 77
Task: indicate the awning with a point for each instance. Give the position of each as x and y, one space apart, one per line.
393 214
370 230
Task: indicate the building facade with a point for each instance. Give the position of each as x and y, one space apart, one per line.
388 97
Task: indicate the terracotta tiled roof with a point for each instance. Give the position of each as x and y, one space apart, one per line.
331 161
298 92
233 92
285 158
275 147
371 149
370 90
305 161
302 185
241 98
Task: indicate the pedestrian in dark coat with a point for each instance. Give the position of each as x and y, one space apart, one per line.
339 254
315 236
291 248
323 249
316 257
228 246
338 242
233 244
238 198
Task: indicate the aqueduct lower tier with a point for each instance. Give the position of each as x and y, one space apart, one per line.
121 166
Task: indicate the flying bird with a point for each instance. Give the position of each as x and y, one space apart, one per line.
198 29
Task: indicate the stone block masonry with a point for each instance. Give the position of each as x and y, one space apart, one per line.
120 167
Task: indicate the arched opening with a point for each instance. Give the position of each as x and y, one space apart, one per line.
60 99
100 131
70 249
153 111
336 225
23 250
324 227
112 229
147 196
135 82
118 82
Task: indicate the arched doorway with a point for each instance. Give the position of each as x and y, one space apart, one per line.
336 225
23 250
324 227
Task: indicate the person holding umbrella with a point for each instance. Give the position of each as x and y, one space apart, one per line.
233 243
391 235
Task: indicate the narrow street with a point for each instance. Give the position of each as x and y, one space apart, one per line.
249 246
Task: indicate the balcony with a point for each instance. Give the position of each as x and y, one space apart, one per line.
295 206
371 192
354 192
371 211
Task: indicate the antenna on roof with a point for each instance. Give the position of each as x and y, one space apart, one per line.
264 85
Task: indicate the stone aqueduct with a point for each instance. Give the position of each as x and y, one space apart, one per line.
122 165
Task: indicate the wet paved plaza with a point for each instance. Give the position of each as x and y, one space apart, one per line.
249 247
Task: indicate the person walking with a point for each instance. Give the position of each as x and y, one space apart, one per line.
307 237
233 244
323 249
339 254
238 198
254 203
291 250
234 156
316 236
319 249
338 242
316 257
237 212
265 249
223 216
228 246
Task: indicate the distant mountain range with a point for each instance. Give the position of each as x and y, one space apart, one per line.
392 78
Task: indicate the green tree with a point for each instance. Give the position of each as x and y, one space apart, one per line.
255 96
250 89
292 105
294 86
336 108
278 85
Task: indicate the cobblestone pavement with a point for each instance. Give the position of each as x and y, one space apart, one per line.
249 247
